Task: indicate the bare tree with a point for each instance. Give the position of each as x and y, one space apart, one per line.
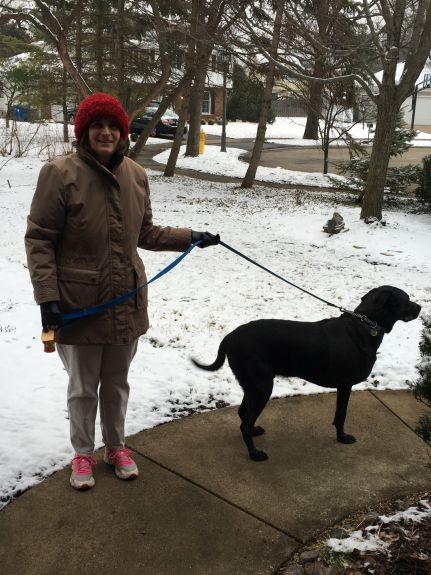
206 16
54 20
321 30
39 15
396 27
176 146
267 98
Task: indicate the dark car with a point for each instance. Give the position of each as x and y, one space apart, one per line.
166 126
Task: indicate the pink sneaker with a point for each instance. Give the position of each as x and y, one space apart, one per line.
82 471
125 467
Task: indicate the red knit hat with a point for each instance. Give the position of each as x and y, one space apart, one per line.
100 105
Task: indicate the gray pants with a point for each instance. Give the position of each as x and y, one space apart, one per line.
87 366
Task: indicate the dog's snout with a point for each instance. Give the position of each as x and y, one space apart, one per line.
413 311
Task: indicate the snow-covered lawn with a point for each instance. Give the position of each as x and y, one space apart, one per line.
228 163
290 131
195 305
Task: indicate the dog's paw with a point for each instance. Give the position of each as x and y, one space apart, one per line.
258 430
258 455
346 439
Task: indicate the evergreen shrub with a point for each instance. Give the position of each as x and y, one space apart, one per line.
423 192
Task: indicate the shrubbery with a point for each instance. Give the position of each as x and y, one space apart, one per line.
423 192
245 100
421 388
397 179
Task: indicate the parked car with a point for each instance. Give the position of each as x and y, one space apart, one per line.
167 125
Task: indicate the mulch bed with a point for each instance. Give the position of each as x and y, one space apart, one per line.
409 551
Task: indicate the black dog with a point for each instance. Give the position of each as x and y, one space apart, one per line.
337 352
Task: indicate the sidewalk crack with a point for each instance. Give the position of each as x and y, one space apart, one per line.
218 496
396 415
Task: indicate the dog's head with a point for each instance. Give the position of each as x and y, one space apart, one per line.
386 305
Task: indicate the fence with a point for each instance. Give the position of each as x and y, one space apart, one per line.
289 107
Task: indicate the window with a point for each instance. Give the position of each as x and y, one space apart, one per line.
206 103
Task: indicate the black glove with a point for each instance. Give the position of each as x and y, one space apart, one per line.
51 315
206 238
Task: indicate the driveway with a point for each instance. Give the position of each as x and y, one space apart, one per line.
300 158
308 159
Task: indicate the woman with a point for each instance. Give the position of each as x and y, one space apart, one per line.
90 212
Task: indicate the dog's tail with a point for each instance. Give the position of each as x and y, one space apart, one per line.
219 360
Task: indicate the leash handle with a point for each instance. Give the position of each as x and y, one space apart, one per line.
276 275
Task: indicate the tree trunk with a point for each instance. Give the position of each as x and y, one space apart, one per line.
81 86
267 101
196 99
78 36
326 135
119 54
64 103
314 107
176 146
99 52
325 158
372 202
144 135
168 99
321 8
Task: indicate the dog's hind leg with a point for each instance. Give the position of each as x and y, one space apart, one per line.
343 395
254 402
242 410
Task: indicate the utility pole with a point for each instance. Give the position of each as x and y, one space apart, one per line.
225 60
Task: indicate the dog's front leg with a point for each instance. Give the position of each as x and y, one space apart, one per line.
343 395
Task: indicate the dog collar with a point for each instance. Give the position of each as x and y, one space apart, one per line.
375 328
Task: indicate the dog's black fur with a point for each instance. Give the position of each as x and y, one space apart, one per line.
337 352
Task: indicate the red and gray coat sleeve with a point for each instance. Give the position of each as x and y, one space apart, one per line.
44 226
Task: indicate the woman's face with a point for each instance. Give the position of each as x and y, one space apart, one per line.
103 136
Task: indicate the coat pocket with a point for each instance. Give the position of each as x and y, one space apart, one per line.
79 288
141 298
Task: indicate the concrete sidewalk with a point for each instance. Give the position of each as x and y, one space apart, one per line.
202 507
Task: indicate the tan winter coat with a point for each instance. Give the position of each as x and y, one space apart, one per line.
83 230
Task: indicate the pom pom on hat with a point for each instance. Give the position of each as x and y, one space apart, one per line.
100 105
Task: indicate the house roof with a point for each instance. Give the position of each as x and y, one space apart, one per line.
400 68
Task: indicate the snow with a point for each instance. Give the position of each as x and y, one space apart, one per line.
414 514
194 306
357 540
290 131
364 540
228 163
426 70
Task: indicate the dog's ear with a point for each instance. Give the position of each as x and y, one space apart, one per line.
368 294
381 295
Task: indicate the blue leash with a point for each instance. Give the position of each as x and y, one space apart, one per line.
85 312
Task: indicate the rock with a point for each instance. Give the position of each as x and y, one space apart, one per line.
334 225
373 517
308 556
371 220
316 568
292 570
339 533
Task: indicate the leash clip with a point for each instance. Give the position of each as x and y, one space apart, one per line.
373 325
